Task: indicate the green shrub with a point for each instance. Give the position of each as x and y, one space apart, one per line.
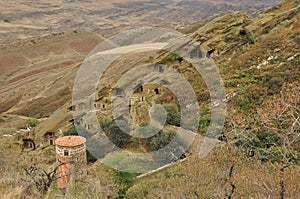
247 140
161 139
115 133
268 145
173 114
251 37
32 122
71 131
269 139
204 121
279 154
124 180
231 83
245 104
173 56
173 117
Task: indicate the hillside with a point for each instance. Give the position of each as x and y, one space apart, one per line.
256 57
24 19
257 154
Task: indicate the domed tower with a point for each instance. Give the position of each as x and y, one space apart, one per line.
71 152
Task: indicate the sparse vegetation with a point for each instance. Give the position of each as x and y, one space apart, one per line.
258 155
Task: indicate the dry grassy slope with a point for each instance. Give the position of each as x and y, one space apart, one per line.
243 57
209 178
277 34
37 75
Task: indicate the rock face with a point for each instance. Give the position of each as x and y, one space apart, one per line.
225 33
222 33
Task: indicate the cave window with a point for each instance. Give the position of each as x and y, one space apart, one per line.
156 91
180 60
72 108
51 142
139 88
208 55
243 32
66 153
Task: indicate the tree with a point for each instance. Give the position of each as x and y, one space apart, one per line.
173 114
173 117
161 139
115 132
71 131
40 176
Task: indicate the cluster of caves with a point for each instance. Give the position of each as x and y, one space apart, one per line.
47 140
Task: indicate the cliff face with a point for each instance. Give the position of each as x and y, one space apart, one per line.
233 31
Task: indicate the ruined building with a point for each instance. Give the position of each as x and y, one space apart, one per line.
71 154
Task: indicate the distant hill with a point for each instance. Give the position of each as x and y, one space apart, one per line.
23 19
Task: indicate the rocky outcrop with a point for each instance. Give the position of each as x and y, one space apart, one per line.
222 33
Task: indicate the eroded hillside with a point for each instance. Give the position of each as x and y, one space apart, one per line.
257 154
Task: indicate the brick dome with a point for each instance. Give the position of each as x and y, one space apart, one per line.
70 141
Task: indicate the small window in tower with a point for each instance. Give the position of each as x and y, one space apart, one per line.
66 153
51 142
